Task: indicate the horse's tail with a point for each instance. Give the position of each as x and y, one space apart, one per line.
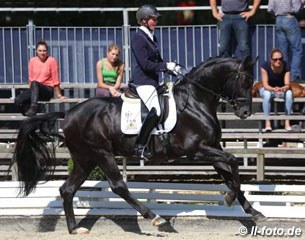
34 153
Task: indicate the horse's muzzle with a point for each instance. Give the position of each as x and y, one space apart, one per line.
244 114
243 107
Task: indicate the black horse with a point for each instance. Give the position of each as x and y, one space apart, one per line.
93 136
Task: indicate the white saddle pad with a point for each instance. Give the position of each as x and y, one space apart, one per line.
131 114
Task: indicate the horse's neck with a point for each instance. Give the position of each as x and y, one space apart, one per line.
196 101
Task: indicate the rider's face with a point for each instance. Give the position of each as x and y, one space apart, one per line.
152 23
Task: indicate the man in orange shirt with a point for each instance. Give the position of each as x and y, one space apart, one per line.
43 80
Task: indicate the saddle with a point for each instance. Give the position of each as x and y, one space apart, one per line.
134 110
162 92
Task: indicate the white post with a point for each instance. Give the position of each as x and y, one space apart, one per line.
126 44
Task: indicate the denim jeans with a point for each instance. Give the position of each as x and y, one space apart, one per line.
233 24
268 95
289 39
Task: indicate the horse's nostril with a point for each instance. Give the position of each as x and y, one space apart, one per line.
247 113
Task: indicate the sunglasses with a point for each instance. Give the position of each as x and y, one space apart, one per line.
277 59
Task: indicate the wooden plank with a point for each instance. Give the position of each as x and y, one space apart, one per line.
132 185
161 186
225 136
221 116
62 85
259 117
201 169
288 205
63 152
166 185
52 100
11 134
273 188
65 100
14 86
264 135
260 162
266 150
14 203
93 86
119 203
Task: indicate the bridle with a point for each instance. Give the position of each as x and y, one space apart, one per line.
232 101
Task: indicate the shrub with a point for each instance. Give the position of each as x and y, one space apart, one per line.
96 174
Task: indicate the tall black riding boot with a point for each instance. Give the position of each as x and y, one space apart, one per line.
32 111
34 99
141 149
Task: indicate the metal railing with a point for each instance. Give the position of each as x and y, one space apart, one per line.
79 48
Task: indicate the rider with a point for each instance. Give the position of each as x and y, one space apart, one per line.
149 63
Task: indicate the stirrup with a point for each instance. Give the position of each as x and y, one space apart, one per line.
142 152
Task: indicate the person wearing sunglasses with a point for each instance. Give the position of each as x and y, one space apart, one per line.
275 76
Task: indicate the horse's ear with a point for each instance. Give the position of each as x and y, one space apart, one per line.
248 62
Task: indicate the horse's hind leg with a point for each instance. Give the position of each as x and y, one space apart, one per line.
118 186
67 192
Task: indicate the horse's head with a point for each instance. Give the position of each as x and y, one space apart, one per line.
238 88
229 79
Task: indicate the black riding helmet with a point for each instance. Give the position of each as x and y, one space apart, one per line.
147 11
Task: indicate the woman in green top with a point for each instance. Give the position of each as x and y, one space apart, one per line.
109 73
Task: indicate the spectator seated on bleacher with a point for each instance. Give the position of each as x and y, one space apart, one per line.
109 71
298 91
275 75
43 80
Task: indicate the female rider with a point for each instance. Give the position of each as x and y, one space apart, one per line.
149 63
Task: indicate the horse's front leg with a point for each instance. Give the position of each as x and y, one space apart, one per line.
233 182
227 167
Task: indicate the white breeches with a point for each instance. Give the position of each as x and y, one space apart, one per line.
148 94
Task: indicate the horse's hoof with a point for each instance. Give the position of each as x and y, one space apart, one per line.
259 217
80 230
228 200
158 221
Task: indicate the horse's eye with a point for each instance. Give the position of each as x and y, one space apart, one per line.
246 82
